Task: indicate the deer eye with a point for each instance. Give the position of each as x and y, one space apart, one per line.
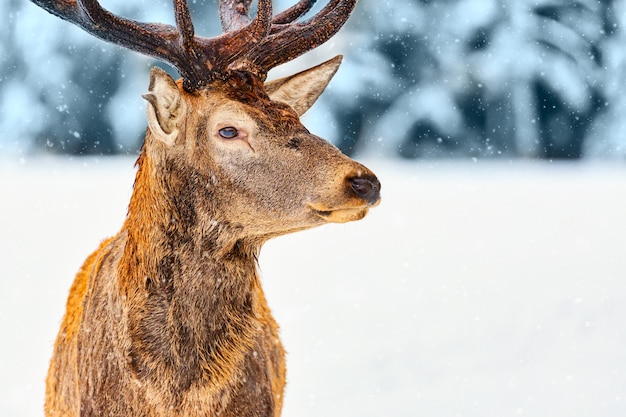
228 132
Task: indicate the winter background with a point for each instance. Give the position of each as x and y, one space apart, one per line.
489 282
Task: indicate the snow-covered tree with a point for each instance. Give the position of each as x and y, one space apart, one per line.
421 78
481 77
64 91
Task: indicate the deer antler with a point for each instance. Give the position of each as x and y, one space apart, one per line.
234 14
254 45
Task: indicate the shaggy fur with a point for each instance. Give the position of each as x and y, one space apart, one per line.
168 317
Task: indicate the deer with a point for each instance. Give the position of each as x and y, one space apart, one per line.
168 317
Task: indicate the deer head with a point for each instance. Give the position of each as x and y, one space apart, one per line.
234 141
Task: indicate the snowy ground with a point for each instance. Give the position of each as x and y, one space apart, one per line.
473 290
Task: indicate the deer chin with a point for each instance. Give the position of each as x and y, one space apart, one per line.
339 215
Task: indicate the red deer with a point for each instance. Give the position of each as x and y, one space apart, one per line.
168 318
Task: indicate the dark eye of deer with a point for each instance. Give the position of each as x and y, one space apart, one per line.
228 133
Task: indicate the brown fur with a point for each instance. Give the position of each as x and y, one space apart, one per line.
168 317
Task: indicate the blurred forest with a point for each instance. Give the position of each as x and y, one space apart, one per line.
421 78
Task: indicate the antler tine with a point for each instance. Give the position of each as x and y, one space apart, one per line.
153 39
146 38
295 39
262 23
235 16
232 48
294 12
184 25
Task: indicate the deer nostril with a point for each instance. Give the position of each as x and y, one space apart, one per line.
368 188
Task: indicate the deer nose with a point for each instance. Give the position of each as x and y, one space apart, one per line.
367 187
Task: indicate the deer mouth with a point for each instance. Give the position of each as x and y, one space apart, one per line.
339 215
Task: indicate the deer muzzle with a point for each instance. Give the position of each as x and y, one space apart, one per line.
364 190
367 188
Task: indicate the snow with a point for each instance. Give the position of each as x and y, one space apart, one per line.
485 289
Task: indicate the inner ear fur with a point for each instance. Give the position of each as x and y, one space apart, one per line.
165 108
301 90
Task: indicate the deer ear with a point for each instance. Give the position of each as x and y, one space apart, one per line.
165 106
302 89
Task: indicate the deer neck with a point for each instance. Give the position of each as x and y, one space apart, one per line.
193 280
